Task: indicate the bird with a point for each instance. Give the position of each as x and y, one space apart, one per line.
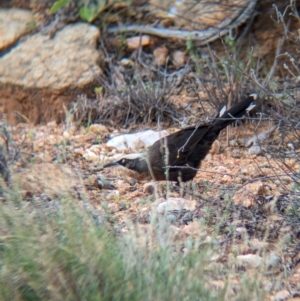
177 157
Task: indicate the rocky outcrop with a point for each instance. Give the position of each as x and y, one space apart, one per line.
42 73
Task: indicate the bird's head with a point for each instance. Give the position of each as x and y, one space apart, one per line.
136 162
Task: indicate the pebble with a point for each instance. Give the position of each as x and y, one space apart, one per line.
176 233
241 230
226 179
149 188
171 218
249 260
254 150
273 260
176 204
52 124
282 295
126 62
90 156
160 55
215 148
178 58
98 129
136 42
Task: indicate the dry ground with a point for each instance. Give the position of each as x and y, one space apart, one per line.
54 160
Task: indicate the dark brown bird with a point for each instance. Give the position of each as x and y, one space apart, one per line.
177 157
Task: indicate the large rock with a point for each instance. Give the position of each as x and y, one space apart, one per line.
41 73
13 24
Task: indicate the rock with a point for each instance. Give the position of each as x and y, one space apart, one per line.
247 194
221 169
98 129
236 153
226 179
261 137
126 62
187 217
103 183
178 58
52 123
194 229
258 245
238 180
13 24
215 148
90 156
136 42
171 218
176 204
249 260
66 64
241 230
176 233
113 195
149 188
273 260
281 295
160 55
51 179
255 150
113 207
136 141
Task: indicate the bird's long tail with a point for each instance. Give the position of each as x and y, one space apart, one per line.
235 112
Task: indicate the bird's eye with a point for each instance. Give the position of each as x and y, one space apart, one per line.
123 161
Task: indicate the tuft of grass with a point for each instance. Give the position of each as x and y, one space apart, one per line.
56 251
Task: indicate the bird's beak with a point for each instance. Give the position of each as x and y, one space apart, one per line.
111 164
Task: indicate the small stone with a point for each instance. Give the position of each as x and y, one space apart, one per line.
90 156
66 134
208 239
132 181
52 123
238 180
187 217
176 233
254 150
178 58
273 260
236 153
209 157
215 148
221 169
194 229
176 204
98 129
160 55
113 208
96 148
241 230
171 218
249 260
257 245
226 179
244 170
149 188
126 62
282 295
136 42
103 183
247 194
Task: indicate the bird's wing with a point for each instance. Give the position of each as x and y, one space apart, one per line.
181 144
